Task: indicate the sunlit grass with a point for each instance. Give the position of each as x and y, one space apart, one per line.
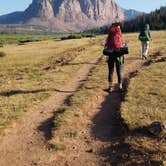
144 102
24 82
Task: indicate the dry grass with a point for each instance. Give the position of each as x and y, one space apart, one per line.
144 103
74 105
24 83
146 97
99 76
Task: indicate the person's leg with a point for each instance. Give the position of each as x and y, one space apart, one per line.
142 49
110 72
119 73
146 48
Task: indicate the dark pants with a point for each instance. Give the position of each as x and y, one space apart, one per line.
111 62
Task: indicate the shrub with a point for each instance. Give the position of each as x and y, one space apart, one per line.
1 44
23 41
76 36
2 54
57 146
64 38
89 35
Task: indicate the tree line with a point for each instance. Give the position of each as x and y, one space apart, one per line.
156 20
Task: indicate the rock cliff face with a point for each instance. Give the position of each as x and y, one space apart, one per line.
68 15
39 8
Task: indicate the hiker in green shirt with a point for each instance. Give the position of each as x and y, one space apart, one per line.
145 38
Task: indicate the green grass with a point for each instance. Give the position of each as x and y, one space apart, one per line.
20 38
76 36
57 146
71 134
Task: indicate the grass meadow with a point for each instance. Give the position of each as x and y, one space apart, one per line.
144 103
145 99
30 73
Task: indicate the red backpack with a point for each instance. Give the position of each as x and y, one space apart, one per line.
115 39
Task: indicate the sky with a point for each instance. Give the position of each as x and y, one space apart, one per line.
142 5
8 6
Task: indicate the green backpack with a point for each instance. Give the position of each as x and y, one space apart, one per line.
144 36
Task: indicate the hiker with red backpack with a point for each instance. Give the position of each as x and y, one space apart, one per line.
114 42
145 38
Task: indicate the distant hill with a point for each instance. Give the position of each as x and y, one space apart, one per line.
156 20
131 14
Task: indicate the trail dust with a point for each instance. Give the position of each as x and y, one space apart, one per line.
24 144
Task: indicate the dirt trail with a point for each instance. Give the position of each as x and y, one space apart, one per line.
100 128
24 143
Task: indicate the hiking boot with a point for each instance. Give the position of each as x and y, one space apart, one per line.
144 57
110 89
120 86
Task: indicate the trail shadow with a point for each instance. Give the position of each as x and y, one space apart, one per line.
108 123
155 58
46 128
124 154
110 127
49 125
155 54
17 92
80 63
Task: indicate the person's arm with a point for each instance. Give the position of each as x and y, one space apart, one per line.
107 41
149 35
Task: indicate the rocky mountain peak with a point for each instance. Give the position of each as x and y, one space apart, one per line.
69 15
41 9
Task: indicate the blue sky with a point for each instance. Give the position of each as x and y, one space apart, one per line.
7 6
142 5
